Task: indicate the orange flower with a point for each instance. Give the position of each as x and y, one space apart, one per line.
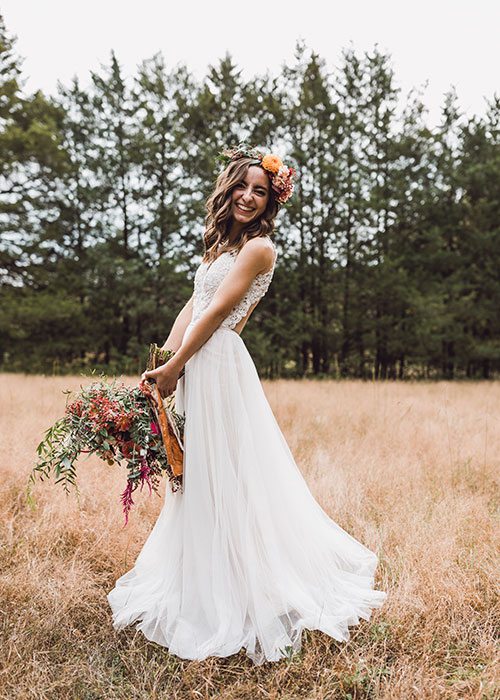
272 162
123 423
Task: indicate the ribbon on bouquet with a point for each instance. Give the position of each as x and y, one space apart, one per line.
166 417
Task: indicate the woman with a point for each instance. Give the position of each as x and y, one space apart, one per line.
244 556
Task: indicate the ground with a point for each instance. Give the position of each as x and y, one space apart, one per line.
407 468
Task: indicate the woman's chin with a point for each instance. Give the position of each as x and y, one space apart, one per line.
242 218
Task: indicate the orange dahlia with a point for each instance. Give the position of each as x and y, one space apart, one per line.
272 163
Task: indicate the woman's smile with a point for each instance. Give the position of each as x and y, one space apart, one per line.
244 207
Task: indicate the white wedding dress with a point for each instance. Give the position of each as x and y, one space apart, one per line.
243 556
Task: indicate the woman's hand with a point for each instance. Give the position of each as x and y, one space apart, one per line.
166 377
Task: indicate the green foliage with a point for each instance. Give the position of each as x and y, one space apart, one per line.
113 422
57 455
389 249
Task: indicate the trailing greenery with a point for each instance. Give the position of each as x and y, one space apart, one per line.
389 250
118 424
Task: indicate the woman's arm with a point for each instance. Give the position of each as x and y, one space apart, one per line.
255 257
174 340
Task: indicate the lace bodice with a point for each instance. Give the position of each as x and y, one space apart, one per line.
208 278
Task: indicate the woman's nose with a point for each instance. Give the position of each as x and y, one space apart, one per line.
247 193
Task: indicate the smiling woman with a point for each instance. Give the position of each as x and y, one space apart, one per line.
243 205
244 556
249 197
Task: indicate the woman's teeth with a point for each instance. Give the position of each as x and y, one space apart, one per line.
243 208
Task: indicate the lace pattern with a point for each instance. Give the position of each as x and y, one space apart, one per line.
208 277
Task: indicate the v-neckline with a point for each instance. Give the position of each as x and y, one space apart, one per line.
225 252
230 252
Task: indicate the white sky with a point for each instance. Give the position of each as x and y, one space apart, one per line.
447 42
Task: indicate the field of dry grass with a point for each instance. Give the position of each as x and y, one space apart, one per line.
408 469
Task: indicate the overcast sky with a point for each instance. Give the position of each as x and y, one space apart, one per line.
445 42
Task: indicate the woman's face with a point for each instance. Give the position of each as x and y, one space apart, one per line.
250 196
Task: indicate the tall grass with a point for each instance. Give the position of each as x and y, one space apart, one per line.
408 469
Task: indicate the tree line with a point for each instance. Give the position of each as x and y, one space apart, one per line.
389 250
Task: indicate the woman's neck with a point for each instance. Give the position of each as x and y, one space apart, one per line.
235 232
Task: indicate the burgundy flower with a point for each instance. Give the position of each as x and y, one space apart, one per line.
144 475
126 499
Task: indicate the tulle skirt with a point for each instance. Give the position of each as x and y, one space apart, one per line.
244 556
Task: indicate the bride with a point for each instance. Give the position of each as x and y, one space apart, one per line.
243 556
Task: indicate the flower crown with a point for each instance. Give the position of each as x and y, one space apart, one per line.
280 174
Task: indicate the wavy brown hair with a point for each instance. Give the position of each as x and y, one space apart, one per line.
218 218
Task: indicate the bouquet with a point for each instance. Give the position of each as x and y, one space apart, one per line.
122 425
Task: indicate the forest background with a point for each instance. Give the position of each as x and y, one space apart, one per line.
389 251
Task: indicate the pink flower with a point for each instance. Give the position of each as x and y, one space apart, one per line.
144 475
126 499
155 428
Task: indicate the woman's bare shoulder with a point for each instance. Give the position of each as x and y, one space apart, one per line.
262 250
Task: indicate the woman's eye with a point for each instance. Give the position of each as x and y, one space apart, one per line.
241 185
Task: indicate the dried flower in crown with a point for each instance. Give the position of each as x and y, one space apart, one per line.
280 174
